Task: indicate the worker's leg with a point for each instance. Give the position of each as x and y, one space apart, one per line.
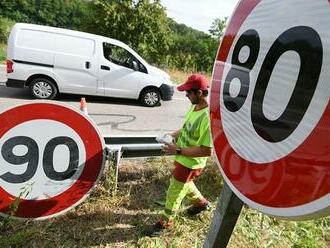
194 195
174 196
181 184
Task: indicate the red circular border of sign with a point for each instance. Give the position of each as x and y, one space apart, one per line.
93 165
301 177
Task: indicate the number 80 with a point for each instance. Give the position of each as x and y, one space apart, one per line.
301 39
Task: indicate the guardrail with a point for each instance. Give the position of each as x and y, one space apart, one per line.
130 147
134 146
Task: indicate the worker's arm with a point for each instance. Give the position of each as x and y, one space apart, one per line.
193 151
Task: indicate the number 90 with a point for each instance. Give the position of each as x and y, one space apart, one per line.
32 158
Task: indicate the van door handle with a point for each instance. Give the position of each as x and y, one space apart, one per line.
87 64
104 67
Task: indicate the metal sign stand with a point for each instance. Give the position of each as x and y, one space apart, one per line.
130 147
228 209
114 155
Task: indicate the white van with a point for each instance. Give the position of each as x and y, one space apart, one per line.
52 60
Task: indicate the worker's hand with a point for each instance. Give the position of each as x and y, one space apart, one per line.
170 149
165 139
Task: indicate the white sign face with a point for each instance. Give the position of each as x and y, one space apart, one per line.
271 30
32 146
51 156
270 112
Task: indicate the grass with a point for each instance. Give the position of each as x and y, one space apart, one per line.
2 52
255 228
105 220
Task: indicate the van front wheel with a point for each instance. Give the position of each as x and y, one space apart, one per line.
43 88
150 97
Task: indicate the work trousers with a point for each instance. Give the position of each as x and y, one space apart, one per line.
181 185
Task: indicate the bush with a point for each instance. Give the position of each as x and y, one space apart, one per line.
2 52
5 26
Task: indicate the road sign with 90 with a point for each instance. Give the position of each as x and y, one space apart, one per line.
52 153
270 112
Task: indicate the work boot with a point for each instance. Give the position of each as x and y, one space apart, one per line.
193 210
156 230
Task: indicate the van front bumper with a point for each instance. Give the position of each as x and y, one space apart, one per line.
166 92
15 83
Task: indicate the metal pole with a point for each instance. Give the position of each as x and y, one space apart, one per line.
225 217
113 157
117 163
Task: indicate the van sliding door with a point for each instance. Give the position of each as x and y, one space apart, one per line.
76 64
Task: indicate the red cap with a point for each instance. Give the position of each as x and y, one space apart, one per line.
194 82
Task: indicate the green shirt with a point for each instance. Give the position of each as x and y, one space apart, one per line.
195 132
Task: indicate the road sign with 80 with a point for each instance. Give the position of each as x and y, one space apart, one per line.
269 106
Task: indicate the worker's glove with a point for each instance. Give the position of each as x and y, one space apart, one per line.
165 139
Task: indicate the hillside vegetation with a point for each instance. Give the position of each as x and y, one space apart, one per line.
2 52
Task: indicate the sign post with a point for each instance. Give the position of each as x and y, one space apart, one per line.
53 153
270 110
225 217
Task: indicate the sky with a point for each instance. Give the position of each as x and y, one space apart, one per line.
198 14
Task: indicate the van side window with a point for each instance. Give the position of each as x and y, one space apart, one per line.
122 57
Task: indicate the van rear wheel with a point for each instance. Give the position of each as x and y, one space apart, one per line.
43 88
150 97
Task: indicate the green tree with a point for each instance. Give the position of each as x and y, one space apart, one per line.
191 50
142 24
59 13
5 26
16 10
218 26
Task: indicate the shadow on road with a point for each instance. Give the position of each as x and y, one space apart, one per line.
98 99
23 93
15 93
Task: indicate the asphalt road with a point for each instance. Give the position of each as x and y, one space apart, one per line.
113 116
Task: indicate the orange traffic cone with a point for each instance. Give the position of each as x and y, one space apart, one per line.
83 105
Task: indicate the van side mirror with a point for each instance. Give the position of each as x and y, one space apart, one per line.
135 66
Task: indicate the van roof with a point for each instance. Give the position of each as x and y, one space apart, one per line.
69 32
